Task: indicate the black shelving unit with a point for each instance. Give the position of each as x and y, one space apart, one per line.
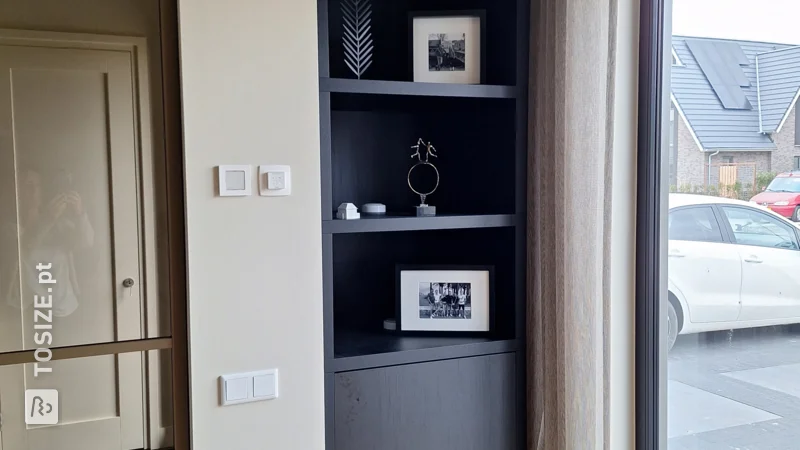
480 132
383 87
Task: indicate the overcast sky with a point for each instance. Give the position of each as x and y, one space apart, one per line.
775 21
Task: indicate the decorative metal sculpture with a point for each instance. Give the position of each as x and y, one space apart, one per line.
357 37
424 209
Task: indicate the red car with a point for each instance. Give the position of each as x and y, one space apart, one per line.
782 195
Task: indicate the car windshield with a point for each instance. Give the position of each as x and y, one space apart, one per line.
785 184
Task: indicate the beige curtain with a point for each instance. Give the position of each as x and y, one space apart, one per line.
569 172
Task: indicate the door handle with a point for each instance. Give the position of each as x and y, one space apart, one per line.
754 259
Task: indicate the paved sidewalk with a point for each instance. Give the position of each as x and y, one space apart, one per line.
735 391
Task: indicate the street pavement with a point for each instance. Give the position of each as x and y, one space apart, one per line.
735 390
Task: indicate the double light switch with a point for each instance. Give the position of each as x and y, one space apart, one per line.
248 387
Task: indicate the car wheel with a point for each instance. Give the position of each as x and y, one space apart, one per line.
796 216
672 325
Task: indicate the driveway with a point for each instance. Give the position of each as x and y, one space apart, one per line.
735 390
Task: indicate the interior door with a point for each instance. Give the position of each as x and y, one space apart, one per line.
770 252
68 174
706 269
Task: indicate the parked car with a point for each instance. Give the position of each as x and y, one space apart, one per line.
731 264
782 195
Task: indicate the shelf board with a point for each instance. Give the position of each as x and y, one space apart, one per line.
367 350
382 87
368 224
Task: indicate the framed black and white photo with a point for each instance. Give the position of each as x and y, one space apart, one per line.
447 46
449 299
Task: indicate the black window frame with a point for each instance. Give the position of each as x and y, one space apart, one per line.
651 201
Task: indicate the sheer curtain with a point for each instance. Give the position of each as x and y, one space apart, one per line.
571 149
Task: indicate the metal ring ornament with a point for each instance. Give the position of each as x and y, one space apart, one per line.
423 195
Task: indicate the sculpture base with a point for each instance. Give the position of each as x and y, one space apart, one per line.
425 211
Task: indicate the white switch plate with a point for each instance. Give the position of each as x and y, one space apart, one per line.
248 387
235 180
274 181
265 385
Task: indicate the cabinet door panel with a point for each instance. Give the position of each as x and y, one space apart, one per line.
468 404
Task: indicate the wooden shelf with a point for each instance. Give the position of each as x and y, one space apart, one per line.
366 350
368 224
380 87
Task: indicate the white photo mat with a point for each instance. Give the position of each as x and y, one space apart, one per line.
423 27
480 320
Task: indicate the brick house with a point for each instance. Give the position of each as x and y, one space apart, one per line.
734 111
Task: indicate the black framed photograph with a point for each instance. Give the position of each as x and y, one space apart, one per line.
445 299
447 46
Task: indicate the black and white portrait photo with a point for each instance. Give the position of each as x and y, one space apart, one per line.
447 52
448 48
444 299
441 300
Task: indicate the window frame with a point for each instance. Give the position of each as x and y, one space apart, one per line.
651 218
797 158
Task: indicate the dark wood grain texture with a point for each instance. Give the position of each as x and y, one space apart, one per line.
464 404
383 87
521 242
369 224
366 350
385 390
475 143
364 271
390 31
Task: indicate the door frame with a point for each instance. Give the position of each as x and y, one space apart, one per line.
175 229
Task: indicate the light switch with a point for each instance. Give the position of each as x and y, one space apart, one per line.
274 181
234 180
265 385
236 389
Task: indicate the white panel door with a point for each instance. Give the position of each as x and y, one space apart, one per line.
68 153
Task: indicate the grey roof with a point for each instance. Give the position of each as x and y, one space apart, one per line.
717 90
779 78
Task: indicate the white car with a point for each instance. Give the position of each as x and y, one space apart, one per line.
732 264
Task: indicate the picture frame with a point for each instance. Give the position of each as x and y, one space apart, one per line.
444 299
443 47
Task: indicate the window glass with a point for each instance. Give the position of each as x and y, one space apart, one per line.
694 224
785 184
730 312
752 227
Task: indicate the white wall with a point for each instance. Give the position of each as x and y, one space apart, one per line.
250 96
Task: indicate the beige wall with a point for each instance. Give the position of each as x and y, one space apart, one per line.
250 96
